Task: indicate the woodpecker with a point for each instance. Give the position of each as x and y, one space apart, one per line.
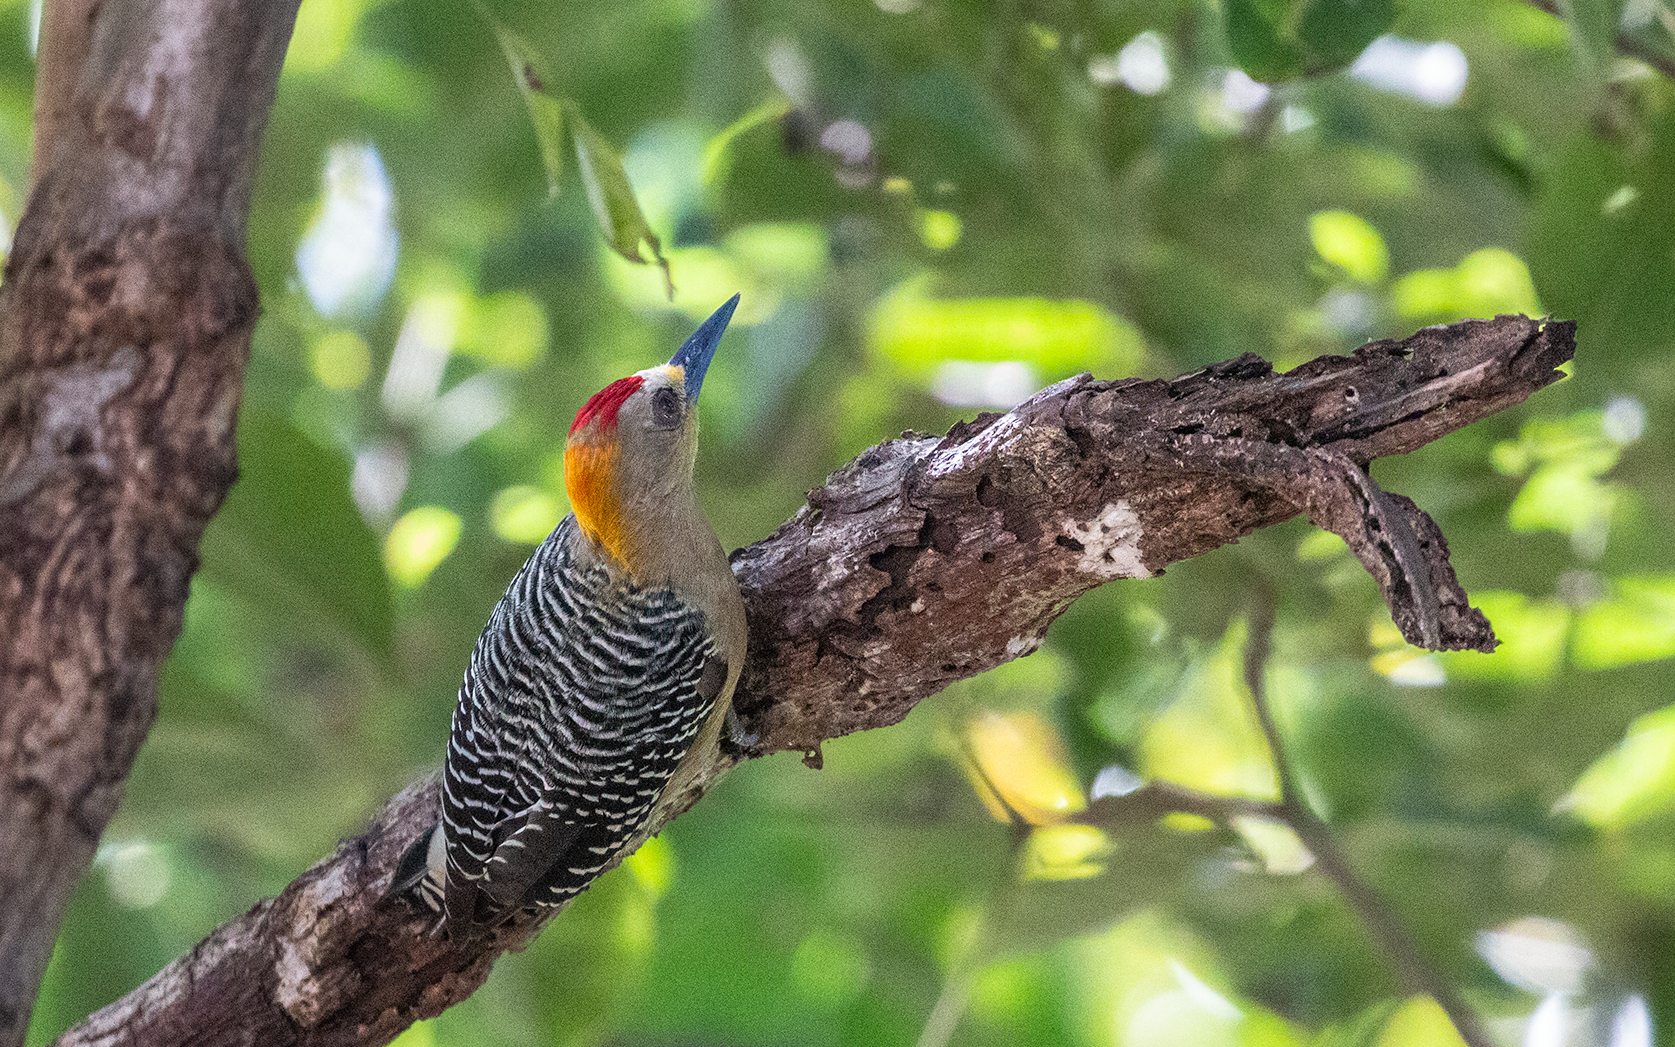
607 667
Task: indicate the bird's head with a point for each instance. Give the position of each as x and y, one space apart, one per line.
633 444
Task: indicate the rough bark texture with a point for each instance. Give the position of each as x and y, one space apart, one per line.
925 560
125 323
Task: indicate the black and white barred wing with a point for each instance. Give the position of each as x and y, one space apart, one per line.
581 698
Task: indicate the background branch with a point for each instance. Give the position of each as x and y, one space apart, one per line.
926 560
1625 42
1393 938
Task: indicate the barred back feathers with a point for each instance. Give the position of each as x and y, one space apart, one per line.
581 698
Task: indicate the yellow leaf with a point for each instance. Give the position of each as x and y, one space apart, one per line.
1020 758
1065 852
1420 1022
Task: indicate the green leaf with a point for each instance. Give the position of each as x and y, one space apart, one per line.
1274 40
419 542
1334 32
1485 283
612 197
715 151
1594 23
1258 43
1420 1022
1057 338
545 111
1562 496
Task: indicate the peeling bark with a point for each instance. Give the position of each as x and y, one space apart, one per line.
125 322
924 561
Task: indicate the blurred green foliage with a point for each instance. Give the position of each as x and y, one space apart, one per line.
932 207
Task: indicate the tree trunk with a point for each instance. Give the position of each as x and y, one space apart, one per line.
125 323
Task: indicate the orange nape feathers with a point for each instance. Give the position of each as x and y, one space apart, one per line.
590 465
589 472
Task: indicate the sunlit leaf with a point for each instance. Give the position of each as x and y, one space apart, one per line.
1277 844
1578 437
789 254
1262 1028
1123 968
1044 37
707 276
1056 337
1065 852
612 197
1538 955
1632 782
419 542
1176 1016
322 35
524 514
419 1034
1321 545
1208 738
1182 822
635 933
1486 283
1014 993
939 230
653 866
1350 243
508 329
341 360
1562 496
1635 624
1408 666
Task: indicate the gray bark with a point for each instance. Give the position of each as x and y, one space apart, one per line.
125 322
925 560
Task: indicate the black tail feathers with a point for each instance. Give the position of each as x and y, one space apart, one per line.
412 874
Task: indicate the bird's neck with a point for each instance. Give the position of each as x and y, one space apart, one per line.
649 530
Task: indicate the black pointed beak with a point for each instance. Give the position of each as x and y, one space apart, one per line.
695 355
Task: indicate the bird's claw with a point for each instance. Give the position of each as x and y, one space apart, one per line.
736 742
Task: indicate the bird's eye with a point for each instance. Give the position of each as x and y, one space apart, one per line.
665 408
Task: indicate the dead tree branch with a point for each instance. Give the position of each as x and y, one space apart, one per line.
125 322
926 560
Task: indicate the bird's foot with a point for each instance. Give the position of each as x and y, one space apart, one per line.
738 743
